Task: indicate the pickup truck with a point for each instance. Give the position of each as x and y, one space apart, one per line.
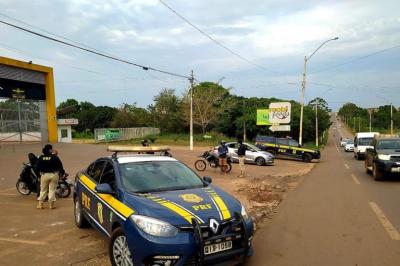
383 157
286 148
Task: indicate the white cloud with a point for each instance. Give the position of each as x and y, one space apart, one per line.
276 34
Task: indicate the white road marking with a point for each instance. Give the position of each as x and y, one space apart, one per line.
21 241
336 147
355 179
347 166
393 233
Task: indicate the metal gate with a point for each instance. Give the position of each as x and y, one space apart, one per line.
20 120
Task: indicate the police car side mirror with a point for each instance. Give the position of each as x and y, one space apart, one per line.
207 179
104 189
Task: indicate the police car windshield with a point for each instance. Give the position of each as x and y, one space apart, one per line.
145 177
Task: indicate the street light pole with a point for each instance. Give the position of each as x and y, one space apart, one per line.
191 80
316 123
303 88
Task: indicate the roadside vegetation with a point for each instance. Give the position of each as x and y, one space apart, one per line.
357 119
217 113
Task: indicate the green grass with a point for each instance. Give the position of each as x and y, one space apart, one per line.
82 135
322 144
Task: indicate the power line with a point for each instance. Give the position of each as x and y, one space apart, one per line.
356 59
93 52
218 42
10 48
46 31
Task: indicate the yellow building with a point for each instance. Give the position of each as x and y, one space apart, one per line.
23 85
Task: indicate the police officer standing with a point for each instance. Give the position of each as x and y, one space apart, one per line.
223 157
49 166
242 155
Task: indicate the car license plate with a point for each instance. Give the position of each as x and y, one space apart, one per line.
396 169
215 248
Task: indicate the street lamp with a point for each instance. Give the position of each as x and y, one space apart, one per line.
303 87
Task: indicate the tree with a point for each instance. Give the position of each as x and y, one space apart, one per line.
68 109
123 118
322 104
89 115
208 103
129 115
166 112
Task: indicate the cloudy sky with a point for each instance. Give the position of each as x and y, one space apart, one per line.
363 66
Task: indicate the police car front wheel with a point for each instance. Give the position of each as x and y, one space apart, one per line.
118 249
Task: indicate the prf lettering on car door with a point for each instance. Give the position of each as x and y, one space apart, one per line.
85 201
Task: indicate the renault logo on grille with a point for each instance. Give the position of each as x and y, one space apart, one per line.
214 225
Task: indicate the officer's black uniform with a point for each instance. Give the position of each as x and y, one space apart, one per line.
49 163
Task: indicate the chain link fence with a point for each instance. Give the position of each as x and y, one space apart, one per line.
117 134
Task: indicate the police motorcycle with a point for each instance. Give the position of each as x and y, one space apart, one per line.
213 161
29 180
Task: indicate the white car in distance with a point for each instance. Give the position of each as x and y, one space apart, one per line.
344 141
349 146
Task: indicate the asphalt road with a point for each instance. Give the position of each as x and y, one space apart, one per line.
338 216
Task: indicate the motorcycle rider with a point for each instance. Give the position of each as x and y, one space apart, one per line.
223 157
49 166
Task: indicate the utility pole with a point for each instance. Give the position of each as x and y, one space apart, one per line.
191 80
244 120
370 120
354 120
303 87
316 123
359 124
391 119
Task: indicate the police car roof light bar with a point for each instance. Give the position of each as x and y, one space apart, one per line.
137 149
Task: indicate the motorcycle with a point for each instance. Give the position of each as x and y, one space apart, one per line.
29 180
212 159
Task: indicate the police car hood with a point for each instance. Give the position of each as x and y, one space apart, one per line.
179 207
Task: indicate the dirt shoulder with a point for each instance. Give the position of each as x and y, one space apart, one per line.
263 188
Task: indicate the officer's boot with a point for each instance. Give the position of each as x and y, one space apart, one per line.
40 205
52 205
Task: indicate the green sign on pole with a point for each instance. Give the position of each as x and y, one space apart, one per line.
112 134
263 117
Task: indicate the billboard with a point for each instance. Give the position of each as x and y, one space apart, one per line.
263 117
279 113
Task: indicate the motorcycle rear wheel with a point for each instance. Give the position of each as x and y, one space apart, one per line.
63 190
23 188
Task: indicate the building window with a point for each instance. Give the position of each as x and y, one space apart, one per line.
64 133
